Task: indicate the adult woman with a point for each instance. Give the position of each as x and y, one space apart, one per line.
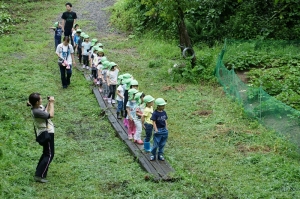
65 51
41 116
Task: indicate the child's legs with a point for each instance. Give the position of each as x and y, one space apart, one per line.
80 55
148 130
85 60
131 127
125 102
138 126
156 140
114 88
120 106
63 75
163 140
69 74
57 41
94 74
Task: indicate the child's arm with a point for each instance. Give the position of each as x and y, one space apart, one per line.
154 127
143 121
107 78
166 124
128 113
119 94
139 113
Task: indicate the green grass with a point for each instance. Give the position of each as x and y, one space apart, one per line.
221 155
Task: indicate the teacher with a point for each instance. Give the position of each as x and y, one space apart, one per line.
68 19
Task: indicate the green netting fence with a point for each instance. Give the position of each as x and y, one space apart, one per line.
257 103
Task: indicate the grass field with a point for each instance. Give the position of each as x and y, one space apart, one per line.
215 149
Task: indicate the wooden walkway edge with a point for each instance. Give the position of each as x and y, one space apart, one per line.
160 170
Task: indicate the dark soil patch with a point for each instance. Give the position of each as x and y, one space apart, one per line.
248 149
179 88
203 112
243 76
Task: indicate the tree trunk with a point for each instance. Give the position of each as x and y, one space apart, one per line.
184 38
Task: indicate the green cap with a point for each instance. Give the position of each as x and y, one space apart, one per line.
94 41
56 24
131 92
105 64
134 83
148 98
86 36
100 45
160 102
78 30
100 50
127 76
82 34
137 97
103 59
111 64
95 48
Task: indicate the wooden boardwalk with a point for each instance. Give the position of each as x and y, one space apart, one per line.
159 169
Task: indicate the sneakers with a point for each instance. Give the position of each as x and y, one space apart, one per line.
109 100
100 90
83 66
130 137
113 101
152 158
87 67
161 157
40 179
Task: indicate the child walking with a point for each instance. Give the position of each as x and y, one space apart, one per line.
147 122
79 46
137 120
85 54
57 33
120 97
131 107
94 64
105 65
159 118
112 77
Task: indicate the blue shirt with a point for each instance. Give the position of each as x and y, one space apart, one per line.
159 118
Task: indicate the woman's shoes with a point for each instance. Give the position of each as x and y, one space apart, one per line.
152 158
161 158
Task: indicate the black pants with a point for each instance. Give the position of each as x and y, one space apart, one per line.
65 80
85 60
68 32
125 102
94 73
79 54
46 158
112 91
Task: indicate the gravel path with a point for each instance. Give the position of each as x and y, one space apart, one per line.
93 10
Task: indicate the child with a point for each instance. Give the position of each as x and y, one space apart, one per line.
159 118
105 65
57 34
131 107
94 64
79 46
120 97
126 85
146 121
137 120
85 54
74 30
101 58
112 77
76 38
133 84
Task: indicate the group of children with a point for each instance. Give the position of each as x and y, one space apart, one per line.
132 104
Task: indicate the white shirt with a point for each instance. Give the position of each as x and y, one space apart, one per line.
113 76
121 89
62 50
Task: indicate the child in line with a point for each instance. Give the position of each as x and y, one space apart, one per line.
85 54
127 78
131 107
105 66
57 33
137 120
159 118
120 97
101 58
79 46
94 64
147 122
74 30
112 77
76 38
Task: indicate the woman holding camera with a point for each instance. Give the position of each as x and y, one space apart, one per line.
42 124
65 52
